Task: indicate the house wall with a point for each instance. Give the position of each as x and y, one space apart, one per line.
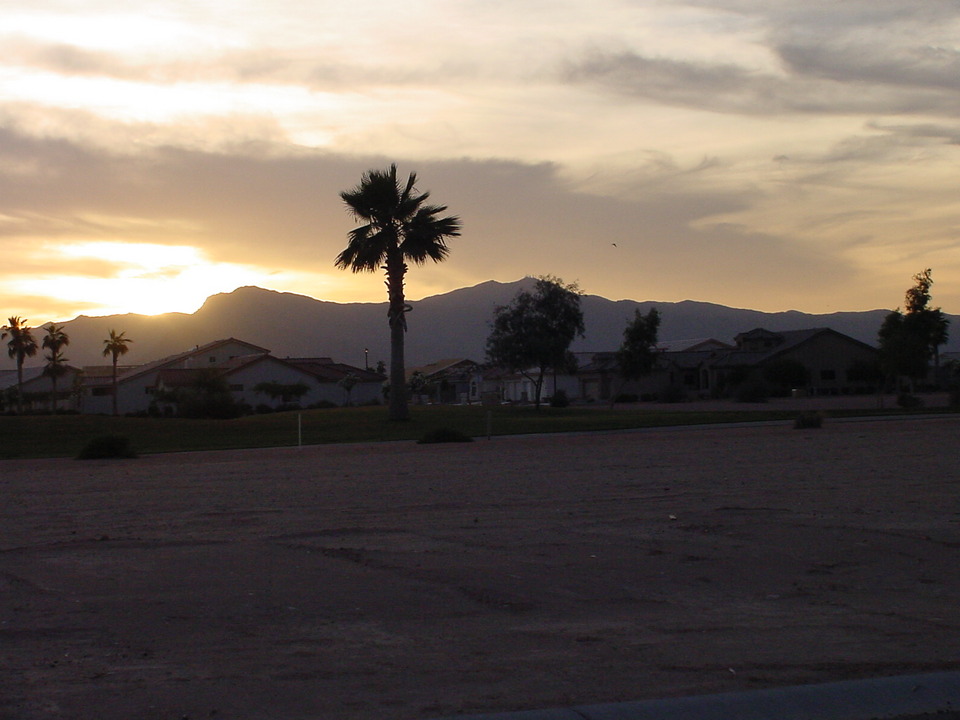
828 357
95 400
245 379
218 354
38 390
522 389
134 395
604 386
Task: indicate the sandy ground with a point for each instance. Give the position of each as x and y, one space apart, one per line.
406 581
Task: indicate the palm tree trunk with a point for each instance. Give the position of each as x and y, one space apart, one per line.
538 388
398 381
115 384
399 409
20 386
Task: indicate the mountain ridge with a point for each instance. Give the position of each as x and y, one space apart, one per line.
452 324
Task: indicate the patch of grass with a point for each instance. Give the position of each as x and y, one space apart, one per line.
35 436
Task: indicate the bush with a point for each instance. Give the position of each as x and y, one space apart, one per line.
444 435
627 398
107 446
808 421
909 402
559 399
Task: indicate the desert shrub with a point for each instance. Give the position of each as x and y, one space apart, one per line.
808 421
559 399
444 435
909 402
107 446
627 398
323 405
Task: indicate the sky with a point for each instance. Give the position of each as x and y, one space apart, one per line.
762 154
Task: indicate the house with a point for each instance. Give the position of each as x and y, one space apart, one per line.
38 388
818 361
679 371
451 380
521 387
365 386
137 387
254 377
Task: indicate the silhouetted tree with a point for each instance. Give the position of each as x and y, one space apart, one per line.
207 396
910 339
399 227
348 382
638 351
53 341
115 346
535 330
20 346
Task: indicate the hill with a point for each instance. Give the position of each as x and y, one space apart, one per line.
454 324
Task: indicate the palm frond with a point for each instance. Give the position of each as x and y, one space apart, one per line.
425 235
367 249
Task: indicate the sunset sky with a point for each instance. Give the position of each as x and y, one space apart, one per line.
763 154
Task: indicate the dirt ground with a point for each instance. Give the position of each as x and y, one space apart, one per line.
410 581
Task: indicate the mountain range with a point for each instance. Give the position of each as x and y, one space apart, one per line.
450 325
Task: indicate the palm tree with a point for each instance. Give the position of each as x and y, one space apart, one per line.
21 346
55 339
115 346
398 227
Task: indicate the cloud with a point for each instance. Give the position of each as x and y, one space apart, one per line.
282 213
815 85
936 133
823 57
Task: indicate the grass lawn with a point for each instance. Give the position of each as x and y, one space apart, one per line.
35 436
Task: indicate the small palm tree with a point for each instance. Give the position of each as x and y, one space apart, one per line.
398 227
21 346
53 341
115 346
348 383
